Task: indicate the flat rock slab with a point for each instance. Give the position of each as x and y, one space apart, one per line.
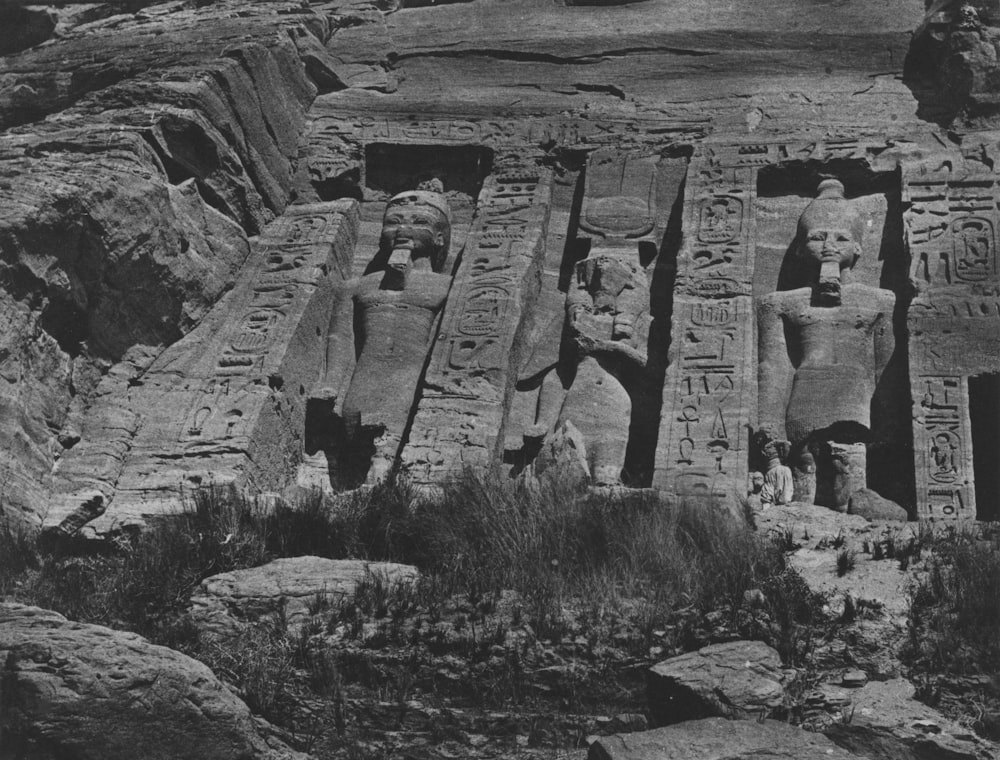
77 690
887 721
728 680
719 739
225 602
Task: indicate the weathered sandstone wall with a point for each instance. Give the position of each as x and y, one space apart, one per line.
189 188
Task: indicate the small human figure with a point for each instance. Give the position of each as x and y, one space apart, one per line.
823 347
385 320
754 491
607 324
779 486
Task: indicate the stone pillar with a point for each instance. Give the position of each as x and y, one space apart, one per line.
475 362
226 403
709 393
954 324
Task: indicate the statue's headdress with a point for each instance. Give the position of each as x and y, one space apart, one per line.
831 209
429 193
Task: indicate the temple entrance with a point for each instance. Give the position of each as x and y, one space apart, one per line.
984 412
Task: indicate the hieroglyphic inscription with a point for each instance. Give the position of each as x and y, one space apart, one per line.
706 430
952 231
954 321
941 434
292 254
473 366
766 154
403 129
477 329
706 398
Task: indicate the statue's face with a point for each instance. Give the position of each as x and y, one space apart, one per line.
831 243
420 229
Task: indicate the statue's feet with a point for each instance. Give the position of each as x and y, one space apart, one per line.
325 394
607 476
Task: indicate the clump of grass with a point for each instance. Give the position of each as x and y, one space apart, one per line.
955 604
556 545
845 562
259 662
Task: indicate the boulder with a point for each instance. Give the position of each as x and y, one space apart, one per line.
730 680
870 505
77 690
718 739
290 586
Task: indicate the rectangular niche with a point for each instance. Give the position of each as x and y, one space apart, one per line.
783 193
391 169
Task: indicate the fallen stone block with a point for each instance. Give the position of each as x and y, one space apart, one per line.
224 603
731 680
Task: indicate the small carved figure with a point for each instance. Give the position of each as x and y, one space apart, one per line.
778 485
607 321
943 451
823 348
381 325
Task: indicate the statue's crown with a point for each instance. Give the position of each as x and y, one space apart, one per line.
430 193
831 208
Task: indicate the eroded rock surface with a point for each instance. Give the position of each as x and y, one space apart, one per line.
887 720
718 739
71 689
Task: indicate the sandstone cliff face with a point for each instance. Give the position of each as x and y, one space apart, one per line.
145 147
126 213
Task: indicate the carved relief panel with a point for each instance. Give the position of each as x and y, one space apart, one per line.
474 364
708 393
954 324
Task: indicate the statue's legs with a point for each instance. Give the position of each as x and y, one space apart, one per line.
601 409
850 466
841 470
804 476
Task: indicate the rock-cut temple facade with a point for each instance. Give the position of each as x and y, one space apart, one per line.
657 245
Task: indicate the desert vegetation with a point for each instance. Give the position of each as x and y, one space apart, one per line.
543 603
954 623
514 579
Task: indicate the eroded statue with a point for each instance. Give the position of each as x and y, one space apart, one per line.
607 328
822 350
380 329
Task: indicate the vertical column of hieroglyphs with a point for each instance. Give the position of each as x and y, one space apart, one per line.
954 324
475 361
708 393
226 403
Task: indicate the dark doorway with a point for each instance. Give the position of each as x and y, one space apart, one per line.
984 411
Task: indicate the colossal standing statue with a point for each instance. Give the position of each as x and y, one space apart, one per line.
822 349
381 326
607 323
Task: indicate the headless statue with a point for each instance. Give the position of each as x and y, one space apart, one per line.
381 327
607 324
822 349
